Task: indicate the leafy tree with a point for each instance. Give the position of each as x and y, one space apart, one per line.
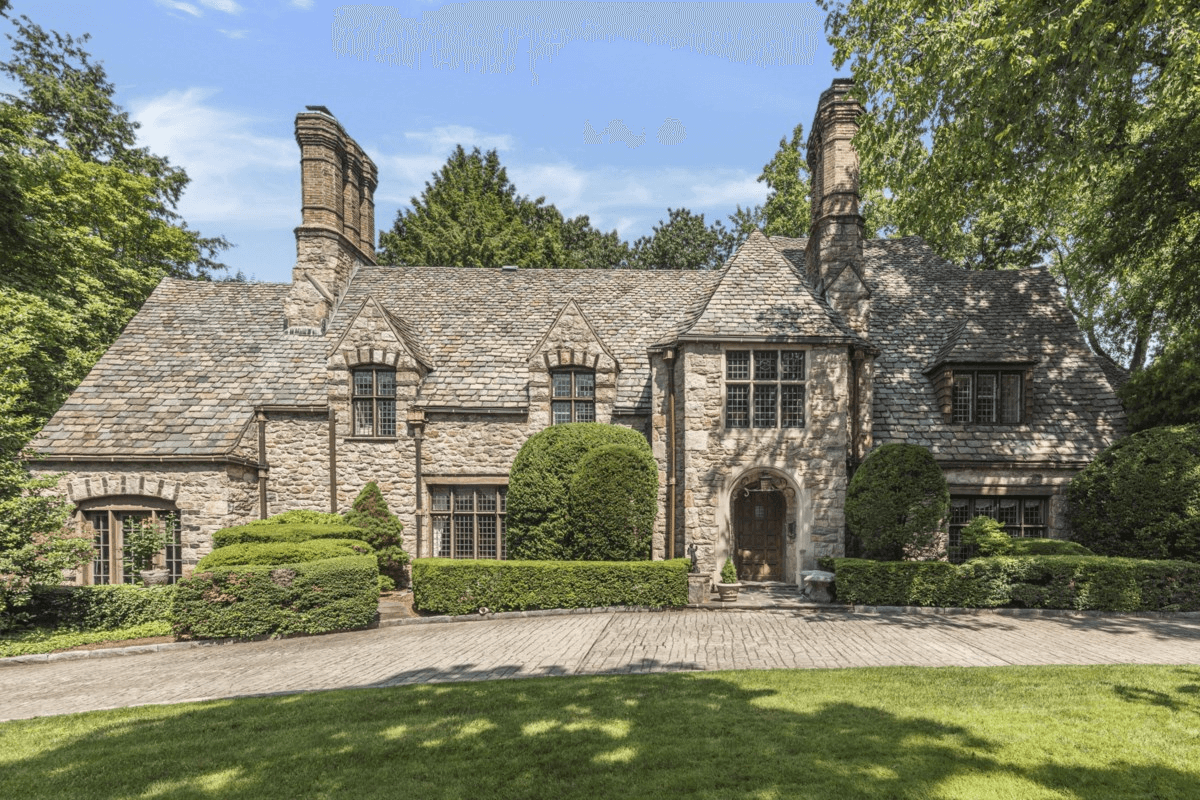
87 230
1168 391
897 502
35 544
1016 132
683 242
590 248
383 531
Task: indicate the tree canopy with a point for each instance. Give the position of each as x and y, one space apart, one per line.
87 230
1010 133
684 241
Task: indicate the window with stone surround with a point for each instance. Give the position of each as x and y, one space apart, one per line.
468 521
1023 517
987 396
374 401
573 396
764 388
109 522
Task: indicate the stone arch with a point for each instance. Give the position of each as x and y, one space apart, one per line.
797 520
136 485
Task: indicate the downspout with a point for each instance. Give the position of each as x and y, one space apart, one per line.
417 420
332 461
669 358
856 360
261 419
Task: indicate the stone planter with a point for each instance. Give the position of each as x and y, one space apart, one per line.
699 588
155 577
728 591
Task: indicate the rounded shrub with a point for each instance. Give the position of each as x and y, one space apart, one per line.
1141 497
613 503
539 485
896 503
277 553
382 530
301 517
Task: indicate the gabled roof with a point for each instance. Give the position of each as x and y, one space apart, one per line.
761 296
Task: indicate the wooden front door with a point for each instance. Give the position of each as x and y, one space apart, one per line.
758 535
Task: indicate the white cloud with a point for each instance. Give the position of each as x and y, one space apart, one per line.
227 6
305 4
446 136
186 8
239 34
237 173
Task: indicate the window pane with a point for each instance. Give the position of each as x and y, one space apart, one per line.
503 500
486 498
585 411
764 405
1034 512
503 543
561 411
364 417
737 365
464 536
487 537
737 406
387 417
985 507
1008 513
562 384
1010 397
585 384
792 365
960 511
441 536
464 500
363 386
962 397
174 555
766 365
985 397
385 383
792 409
440 499
100 571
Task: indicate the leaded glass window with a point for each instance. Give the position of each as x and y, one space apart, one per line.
764 388
573 396
468 521
986 397
1023 517
374 401
109 526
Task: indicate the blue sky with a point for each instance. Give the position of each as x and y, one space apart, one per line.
216 85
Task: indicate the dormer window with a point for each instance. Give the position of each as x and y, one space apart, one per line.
987 397
375 402
573 396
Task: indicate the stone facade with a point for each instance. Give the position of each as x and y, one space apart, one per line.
227 403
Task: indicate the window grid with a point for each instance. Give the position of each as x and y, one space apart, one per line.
374 401
1023 518
468 521
985 397
774 398
108 558
573 396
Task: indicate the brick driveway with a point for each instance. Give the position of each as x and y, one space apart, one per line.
579 644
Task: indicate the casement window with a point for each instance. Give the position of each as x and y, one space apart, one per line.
764 388
374 401
985 396
468 521
1023 517
109 524
573 396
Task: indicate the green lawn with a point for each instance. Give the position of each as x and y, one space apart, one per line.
1021 733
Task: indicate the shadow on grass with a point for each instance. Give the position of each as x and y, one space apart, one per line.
663 736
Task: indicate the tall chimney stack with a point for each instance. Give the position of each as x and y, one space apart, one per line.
337 228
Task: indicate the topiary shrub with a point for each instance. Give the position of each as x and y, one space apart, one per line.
301 517
274 553
1047 547
1140 498
896 503
382 530
283 532
613 503
538 523
985 536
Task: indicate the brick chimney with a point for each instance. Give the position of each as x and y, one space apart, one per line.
337 229
835 243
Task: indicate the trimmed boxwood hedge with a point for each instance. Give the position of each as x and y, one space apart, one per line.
283 532
316 597
1067 582
100 607
460 586
276 553
1047 547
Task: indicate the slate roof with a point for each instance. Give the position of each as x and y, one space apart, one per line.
925 310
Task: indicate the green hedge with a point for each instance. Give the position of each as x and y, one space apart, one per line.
286 532
100 607
1047 547
317 597
1067 582
451 586
277 553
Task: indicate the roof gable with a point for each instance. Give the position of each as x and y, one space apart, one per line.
572 335
373 327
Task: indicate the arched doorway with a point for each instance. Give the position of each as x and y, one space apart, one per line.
758 534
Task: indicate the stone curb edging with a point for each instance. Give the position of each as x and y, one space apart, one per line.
73 655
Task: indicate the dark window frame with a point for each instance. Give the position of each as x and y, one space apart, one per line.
451 520
580 407
379 401
1019 523
749 383
107 521
969 410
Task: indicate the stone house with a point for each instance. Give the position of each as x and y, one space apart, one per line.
759 386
